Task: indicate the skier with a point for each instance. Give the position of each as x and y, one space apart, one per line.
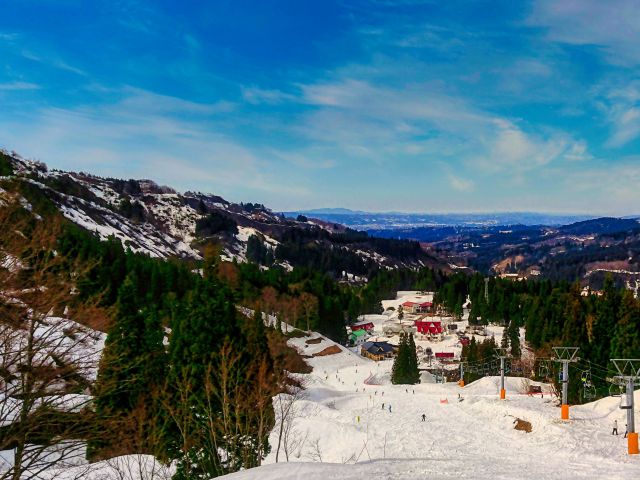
389 408
626 430
383 406
424 417
615 428
406 390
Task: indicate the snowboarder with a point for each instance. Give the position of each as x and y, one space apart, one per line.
424 417
615 428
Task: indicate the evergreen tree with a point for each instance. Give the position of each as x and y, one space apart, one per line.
405 365
626 339
413 372
604 326
120 380
514 339
504 342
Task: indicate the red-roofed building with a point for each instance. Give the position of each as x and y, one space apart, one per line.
417 307
429 327
362 326
445 355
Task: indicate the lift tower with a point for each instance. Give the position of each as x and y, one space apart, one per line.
502 354
628 373
565 355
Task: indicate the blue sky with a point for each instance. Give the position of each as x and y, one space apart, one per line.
406 105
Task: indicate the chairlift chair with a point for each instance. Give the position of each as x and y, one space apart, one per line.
624 402
615 390
543 370
588 391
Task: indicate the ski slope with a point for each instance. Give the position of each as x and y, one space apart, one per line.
342 423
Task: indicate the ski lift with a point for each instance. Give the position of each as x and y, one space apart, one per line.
588 389
543 370
615 390
624 402
589 393
586 378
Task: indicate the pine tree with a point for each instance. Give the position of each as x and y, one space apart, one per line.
514 339
405 365
132 367
399 369
413 373
603 328
504 342
120 380
626 339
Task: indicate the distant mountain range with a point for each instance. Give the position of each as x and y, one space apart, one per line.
525 244
392 220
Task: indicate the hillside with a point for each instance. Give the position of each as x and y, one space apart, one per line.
161 222
585 250
358 429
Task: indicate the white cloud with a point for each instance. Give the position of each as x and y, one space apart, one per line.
578 152
460 184
612 26
19 86
621 107
255 95
512 148
386 124
147 135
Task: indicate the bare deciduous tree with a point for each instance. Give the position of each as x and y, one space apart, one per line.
285 405
47 363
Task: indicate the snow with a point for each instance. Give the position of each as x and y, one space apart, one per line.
126 467
341 420
238 252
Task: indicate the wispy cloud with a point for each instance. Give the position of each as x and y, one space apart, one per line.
19 86
460 184
52 61
144 134
613 26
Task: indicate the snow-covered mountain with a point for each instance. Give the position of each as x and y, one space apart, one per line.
161 222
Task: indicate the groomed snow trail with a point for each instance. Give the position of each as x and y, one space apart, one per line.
343 421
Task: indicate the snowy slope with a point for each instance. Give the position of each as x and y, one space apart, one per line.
342 422
161 222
